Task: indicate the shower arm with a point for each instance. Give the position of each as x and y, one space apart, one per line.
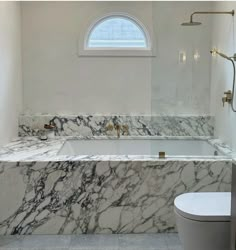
211 13
221 54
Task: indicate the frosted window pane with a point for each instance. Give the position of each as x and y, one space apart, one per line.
117 32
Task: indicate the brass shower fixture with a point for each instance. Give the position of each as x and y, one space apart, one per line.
217 52
192 23
227 98
228 95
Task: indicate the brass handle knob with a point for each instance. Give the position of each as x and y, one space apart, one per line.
227 98
227 92
49 126
125 129
109 127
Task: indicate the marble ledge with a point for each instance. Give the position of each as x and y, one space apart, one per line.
30 149
139 125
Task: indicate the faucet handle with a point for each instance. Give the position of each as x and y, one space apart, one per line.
49 126
228 92
109 127
125 129
227 98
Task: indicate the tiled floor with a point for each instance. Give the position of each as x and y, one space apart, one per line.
92 242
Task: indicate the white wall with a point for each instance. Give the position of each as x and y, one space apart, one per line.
181 88
223 38
10 70
57 81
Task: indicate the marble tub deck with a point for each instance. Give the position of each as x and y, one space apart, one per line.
33 149
168 241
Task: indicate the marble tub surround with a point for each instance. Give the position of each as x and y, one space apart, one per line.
33 149
73 197
49 193
96 125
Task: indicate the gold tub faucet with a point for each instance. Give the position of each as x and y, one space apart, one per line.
117 128
120 129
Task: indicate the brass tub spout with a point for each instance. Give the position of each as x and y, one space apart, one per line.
117 128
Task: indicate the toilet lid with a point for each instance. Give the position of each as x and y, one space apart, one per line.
213 206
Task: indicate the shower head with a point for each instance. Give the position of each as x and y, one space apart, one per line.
191 23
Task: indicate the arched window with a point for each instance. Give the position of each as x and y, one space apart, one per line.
117 32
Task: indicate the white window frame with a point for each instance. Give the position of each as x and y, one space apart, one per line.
84 50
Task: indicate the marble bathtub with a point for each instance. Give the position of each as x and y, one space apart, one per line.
147 147
46 193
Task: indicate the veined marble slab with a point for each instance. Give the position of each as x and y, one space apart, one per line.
46 193
72 197
95 125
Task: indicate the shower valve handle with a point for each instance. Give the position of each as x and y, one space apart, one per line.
227 98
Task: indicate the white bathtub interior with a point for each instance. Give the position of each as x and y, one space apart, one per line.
139 147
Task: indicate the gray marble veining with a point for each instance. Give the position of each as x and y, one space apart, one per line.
72 197
47 193
95 125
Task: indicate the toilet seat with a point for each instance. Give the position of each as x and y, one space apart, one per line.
204 206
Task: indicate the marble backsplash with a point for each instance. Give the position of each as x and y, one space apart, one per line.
96 125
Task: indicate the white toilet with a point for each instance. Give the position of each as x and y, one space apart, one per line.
203 220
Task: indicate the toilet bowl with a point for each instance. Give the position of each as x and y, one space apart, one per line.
203 220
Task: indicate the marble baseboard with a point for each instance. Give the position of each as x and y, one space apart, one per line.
89 125
74 197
